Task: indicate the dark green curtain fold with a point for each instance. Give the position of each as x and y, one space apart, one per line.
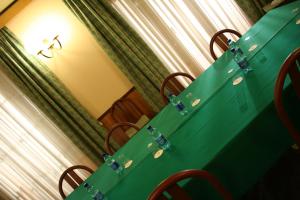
130 53
47 92
253 8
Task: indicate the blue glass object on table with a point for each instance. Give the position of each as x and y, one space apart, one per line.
233 46
159 138
98 195
239 56
88 186
112 163
178 104
94 193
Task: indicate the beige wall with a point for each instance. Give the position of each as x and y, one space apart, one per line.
11 12
81 65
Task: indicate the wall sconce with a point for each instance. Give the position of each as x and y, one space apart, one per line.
47 52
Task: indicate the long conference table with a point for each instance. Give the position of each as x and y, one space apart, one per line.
233 132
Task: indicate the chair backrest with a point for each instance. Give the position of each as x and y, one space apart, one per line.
114 130
70 176
177 193
220 38
125 110
173 85
291 68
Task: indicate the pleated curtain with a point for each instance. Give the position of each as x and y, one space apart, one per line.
253 8
179 31
37 82
130 53
34 152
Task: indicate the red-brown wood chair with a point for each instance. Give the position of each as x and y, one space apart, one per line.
177 193
290 68
173 85
117 129
125 110
70 176
221 40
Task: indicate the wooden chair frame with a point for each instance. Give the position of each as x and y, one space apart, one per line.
290 68
128 110
221 40
170 185
169 78
72 178
112 131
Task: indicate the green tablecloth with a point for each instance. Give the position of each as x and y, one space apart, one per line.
234 131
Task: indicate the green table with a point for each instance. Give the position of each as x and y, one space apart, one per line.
234 131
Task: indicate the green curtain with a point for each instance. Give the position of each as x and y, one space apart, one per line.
252 8
45 90
124 46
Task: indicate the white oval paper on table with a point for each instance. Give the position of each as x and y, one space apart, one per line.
158 153
295 10
237 81
252 48
230 71
298 21
196 102
128 164
247 38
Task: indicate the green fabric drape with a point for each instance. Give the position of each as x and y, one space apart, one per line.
124 46
253 8
45 90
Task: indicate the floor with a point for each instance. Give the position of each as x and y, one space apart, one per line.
282 182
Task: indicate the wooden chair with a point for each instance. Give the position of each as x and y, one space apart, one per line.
72 178
221 40
131 107
173 85
290 68
115 130
125 110
131 102
177 193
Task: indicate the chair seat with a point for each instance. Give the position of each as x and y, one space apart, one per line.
140 123
119 128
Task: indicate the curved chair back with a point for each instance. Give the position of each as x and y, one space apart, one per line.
177 193
221 40
125 110
173 85
290 68
70 176
114 130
